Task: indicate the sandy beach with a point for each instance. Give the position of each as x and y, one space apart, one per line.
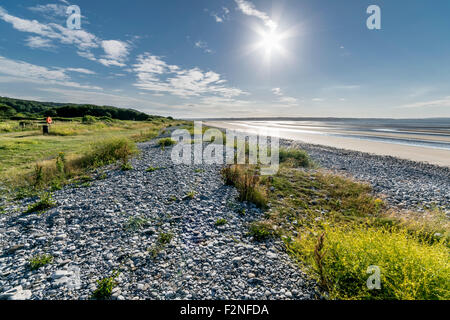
313 135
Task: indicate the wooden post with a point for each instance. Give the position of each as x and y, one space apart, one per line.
45 129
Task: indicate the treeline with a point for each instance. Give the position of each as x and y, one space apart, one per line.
17 109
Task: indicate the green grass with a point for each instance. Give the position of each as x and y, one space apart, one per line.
105 287
21 151
44 203
39 261
166 142
151 169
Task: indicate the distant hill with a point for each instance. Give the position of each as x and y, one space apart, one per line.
24 109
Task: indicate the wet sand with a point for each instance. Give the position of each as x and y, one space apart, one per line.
435 156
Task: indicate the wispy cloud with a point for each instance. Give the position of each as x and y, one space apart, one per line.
80 70
248 8
222 16
156 75
284 99
444 102
53 9
203 45
20 71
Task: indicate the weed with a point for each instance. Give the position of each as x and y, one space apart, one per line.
126 167
135 223
105 287
261 231
190 195
45 202
163 240
220 222
38 261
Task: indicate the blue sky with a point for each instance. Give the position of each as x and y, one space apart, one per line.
232 58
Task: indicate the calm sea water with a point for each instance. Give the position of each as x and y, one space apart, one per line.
430 133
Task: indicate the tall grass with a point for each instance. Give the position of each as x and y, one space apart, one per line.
247 182
109 151
57 172
410 268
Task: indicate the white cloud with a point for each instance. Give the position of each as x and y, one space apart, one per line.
288 100
20 71
80 70
50 9
156 75
317 99
277 91
38 42
248 8
116 51
284 99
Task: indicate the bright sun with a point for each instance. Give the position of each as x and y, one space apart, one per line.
270 41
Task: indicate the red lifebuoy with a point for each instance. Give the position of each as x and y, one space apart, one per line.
49 120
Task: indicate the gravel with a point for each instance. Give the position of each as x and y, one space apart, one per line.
90 234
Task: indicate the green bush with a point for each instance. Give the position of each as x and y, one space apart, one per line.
166 142
109 151
410 268
89 119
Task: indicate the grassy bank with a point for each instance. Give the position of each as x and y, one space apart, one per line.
337 231
30 159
